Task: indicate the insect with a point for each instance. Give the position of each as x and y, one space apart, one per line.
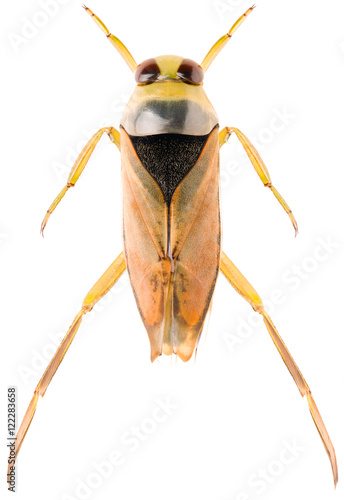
169 141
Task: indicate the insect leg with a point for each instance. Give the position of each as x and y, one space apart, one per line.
79 166
102 286
218 46
243 287
258 165
122 49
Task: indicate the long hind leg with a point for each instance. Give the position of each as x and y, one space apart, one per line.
102 286
243 287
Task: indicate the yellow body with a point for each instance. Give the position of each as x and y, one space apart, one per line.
167 242
171 222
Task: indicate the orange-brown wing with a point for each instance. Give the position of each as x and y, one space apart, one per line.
145 242
196 246
173 306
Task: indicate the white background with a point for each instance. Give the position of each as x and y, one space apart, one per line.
238 406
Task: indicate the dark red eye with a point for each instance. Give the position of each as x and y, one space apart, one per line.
190 71
147 71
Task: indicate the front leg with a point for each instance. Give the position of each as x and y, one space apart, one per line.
258 165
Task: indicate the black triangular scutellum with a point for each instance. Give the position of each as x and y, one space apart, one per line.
168 157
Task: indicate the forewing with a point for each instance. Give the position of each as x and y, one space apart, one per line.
145 238
196 245
173 305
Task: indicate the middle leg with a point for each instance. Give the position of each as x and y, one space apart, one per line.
258 165
80 164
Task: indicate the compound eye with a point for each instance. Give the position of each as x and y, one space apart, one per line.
190 71
147 72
